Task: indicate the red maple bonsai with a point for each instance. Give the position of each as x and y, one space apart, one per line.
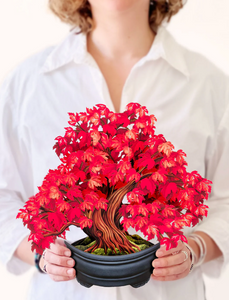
105 156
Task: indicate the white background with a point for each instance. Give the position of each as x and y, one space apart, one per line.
27 26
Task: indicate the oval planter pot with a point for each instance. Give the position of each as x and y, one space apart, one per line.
110 271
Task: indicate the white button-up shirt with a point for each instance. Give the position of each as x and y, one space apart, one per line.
188 95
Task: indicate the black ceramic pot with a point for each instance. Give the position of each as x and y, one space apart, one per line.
109 271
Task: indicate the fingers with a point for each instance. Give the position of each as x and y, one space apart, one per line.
61 278
172 264
173 270
171 277
162 251
54 259
58 263
60 249
168 261
58 273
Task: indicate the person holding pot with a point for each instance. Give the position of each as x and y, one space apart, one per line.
117 52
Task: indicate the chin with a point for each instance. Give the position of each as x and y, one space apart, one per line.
117 5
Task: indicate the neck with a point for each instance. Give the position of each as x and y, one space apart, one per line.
121 35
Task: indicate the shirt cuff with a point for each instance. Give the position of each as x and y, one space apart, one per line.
10 239
218 230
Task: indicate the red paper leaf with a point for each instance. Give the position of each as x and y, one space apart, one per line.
166 148
101 204
24 215
158 177
73 214
63 206
169 211
54 193
169 189
57 220
133 175
94 182
95 135
140 222
152 230
73 119
146 161
85 222
153 207
73 193
110 129
127 223
202 210
148 184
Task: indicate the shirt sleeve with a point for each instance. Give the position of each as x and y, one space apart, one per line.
216 225
15 180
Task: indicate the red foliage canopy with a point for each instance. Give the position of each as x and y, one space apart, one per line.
103 153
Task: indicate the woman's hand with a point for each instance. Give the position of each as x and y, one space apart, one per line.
172 264
57 262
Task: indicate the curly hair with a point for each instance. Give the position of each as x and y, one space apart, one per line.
78 12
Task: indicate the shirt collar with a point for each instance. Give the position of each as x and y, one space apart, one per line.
74 48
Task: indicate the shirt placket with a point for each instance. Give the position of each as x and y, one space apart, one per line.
127 94
100 83
102 87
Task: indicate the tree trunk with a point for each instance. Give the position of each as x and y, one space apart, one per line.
106 228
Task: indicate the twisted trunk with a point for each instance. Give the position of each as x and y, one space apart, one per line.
106 228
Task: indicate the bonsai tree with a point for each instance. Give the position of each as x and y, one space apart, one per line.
104 157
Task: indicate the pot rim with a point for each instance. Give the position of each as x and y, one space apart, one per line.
113 258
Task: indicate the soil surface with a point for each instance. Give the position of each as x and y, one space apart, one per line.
139 244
